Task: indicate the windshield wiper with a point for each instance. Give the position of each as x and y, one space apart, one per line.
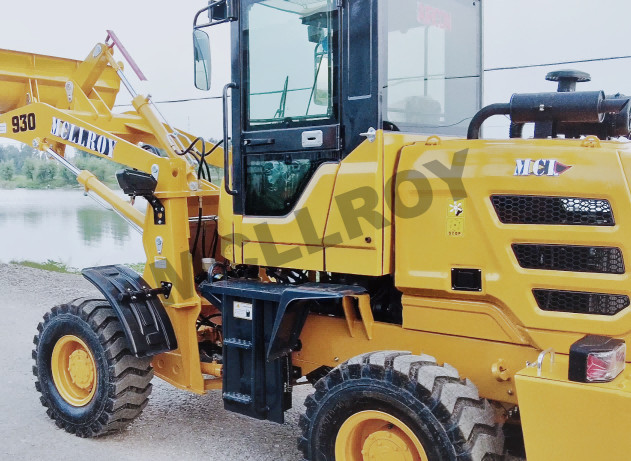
280 113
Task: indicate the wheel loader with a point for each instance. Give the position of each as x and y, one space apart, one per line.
449 297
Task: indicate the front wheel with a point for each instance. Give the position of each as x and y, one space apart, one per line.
89 380
397 406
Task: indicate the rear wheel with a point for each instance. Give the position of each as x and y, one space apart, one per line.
89 380
397 406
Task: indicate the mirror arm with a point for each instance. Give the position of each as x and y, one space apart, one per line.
210 6
195 26
226 165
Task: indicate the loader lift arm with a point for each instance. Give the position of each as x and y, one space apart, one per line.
73 106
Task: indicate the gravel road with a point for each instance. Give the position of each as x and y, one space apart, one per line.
175 425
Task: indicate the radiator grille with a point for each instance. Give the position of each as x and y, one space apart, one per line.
602 260
531 209
580 302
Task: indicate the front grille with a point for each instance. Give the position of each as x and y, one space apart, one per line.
602 260
579 302
531 209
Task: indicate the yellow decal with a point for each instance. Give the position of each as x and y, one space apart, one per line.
455 218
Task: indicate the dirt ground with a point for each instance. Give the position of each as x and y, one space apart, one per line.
175 425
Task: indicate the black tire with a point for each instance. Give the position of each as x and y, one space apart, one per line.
445 412
122 380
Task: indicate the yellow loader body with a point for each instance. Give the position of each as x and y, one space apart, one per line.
436 214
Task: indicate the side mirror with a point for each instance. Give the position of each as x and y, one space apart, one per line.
201 52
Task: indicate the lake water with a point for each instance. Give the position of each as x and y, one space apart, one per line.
64 226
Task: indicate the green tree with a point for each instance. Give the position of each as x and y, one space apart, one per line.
29 167
7 170
45 172
104 170
65 175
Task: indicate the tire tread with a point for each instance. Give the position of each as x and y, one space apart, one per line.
468 419
129 377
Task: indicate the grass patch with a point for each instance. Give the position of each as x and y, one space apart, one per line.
50 265
56 266
138 267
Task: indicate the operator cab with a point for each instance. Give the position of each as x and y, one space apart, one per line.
313 79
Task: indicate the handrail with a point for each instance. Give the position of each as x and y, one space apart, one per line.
226 166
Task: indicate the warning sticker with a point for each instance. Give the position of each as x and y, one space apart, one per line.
160 262
455 227
455 218
456 209
3 128
242 310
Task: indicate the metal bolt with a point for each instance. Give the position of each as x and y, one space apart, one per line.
337 359
510 392
69 90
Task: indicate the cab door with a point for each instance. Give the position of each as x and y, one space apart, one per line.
286 130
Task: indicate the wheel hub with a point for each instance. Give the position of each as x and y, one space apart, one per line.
74 370
386 445
377 436
81 369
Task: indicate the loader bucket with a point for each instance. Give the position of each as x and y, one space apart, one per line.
28 77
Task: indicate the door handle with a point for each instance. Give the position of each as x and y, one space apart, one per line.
259 142
312 138
226 166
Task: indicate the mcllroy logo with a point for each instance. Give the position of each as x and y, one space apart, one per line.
85 138
541 167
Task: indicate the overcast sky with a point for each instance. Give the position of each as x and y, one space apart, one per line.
158 34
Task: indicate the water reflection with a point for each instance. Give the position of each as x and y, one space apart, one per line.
94 224
64 226
32 217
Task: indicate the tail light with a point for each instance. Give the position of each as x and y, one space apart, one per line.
596 359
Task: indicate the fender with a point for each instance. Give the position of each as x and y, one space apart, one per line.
292 305
146 324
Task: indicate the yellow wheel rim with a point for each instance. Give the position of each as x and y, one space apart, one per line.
377 436
74 371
